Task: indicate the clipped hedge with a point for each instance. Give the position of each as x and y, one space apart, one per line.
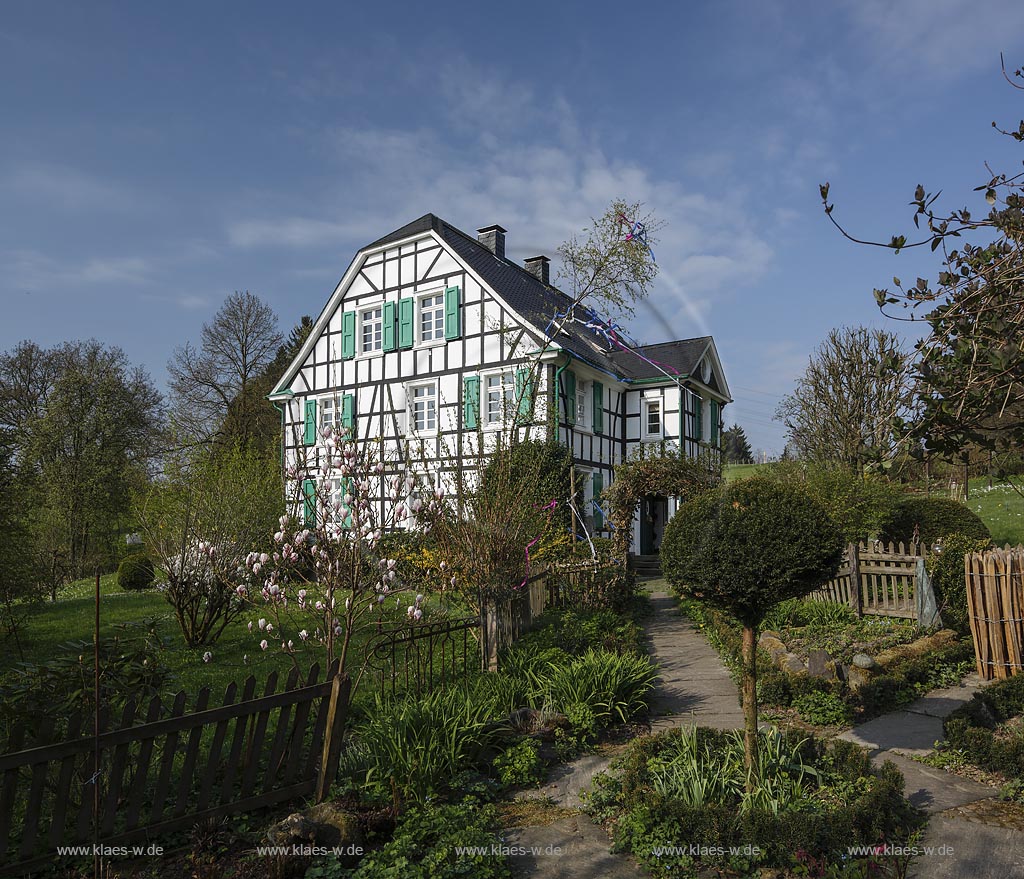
948 579
934 517
135 573
975 728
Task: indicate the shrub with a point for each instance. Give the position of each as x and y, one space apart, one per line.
520 764
424 846
743 548
614 688
947 571
975 729
822 709
817 797
934 517
135 573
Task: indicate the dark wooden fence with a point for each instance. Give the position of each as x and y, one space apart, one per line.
162 769
877 579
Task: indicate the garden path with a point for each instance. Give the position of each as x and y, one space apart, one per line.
694 687
971 834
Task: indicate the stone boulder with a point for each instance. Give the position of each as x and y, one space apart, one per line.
325 825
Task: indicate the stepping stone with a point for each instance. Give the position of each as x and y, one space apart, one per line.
963 848
572 848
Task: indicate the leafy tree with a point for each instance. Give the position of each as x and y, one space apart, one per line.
215 388
88 449
19 584
861 506
844 405
736 447
743 548
200 524
969 372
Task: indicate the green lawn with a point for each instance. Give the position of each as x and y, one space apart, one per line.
732 472
1001 508
235 655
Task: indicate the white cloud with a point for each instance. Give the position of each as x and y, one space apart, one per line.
61 187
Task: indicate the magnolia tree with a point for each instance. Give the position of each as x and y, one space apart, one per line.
328 573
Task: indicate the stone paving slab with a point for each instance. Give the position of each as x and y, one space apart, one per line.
904 731
932 789
566 783
571 848
979 851
694 686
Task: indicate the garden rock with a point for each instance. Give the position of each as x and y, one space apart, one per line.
857 677
818 664
862 660
915 649
541 724
771 643
793 663
326 825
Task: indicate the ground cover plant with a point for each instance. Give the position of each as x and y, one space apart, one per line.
688 785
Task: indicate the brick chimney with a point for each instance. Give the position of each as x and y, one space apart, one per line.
493 238
538 267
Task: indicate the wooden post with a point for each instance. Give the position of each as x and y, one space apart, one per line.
334 731
856 602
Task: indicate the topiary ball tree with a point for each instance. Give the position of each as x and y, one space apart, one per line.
929 519
743 548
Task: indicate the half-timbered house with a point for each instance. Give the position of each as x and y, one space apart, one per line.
434 343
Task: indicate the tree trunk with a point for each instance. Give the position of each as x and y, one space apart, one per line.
750 706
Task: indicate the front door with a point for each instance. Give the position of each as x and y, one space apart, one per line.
653 513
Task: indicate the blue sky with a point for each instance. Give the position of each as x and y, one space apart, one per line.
155 158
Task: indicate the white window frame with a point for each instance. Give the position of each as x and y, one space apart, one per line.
587 475
364 319
421 299
508 399
410 397
330 402
645 408
584 396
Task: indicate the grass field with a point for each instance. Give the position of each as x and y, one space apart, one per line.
732 472
999 507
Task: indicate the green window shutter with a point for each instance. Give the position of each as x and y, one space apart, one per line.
388 315
309 437
598 483
308 502
406 322
698 419
471 403
598 408
348 335
713 414
570 398
348 411
524 394
452 314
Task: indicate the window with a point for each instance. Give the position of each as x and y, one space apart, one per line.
330 415
652 419
423 408
500 391
582 399
373 330
432 318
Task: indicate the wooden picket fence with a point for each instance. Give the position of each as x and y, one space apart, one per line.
174 769
876 579
995 606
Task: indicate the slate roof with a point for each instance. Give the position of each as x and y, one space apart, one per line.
538 303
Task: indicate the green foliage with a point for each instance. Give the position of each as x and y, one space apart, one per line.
424 845
577 631
736 446
535 471
229 500
949 581
520 764
934 518
132 666
613 687
823 709
688 785
860 505
795 613
135 572
749 545
981 731
412 748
